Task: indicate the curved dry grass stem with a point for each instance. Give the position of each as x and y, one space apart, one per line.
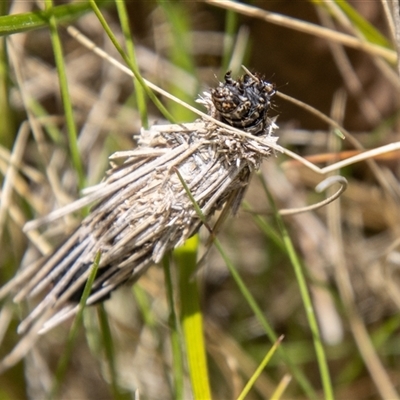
322 186
365 156
306 27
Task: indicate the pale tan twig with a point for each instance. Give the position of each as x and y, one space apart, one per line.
322 186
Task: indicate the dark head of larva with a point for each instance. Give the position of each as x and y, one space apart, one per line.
244 103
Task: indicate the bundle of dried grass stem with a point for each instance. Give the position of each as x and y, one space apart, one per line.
142 209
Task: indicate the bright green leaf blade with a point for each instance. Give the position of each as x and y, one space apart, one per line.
192 319
366 28
10 24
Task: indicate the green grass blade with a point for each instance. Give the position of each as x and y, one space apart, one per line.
273 337
300 377
50 128
130 47
132 66
64 361
109 350
180 54
370 33
10 24
177 363
231 26
192 319
143 305
6 115
308 306
68 111
266 228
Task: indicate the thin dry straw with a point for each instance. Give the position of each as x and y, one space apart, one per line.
307 27
9 178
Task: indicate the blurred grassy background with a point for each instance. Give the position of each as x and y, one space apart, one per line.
348 249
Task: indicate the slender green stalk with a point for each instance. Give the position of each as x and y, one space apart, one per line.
64 361
143 305
300 377
7 126
273 337
109 349
180 54
366 28
308 306
231 25
269 231
130 47
259 370
191 316
177 362
181 32
52 129
16 23
192 319
132 66
69 115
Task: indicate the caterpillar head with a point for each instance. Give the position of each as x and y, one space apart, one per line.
244 103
